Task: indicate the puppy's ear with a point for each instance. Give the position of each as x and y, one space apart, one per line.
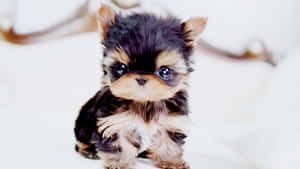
194 27
106 16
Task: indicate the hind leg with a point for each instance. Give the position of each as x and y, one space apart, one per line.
87 151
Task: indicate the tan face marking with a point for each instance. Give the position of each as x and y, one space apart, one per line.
119 55
113 56
154 90
172 59
167 58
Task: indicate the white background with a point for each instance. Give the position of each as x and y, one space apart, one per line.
42 87
231 22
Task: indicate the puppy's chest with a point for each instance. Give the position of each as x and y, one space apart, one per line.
148 127
144 135
141 125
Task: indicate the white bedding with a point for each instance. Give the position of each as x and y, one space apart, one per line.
43 86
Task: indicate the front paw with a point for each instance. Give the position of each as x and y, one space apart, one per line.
117 165
168 165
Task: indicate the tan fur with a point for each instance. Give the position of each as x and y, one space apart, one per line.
126 159
122 160
171 59
178 124
152 136
106 80
166 154
133 139
137 113
120 124
119 55
81 147
114 123
154 90
105 16
142 110
167 58
195 27
107 62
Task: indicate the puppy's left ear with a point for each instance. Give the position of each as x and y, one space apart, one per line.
106 16
194 27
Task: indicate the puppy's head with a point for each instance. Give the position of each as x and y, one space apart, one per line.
146 58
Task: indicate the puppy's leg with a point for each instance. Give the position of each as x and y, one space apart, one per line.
166 153
125 158
88 151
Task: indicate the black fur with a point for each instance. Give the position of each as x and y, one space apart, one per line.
177 137
178 104
144 36
102 104
143 154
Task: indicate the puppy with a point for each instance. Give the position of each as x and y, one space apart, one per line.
142 108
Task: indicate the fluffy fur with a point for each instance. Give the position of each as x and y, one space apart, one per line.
142 108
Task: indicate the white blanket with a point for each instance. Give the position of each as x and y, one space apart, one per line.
43 86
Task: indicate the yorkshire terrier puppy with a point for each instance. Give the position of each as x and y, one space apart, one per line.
142 108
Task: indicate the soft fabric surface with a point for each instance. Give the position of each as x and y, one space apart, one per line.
44 85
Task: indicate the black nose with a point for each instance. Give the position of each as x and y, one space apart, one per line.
141 81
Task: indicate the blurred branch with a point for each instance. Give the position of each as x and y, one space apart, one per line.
87 24
260 53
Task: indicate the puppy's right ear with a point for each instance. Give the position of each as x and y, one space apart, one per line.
105 16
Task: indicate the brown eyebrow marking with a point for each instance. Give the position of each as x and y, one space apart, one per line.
119 55
168 58
173 59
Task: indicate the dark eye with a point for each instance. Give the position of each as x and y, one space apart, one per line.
121 68
164 72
